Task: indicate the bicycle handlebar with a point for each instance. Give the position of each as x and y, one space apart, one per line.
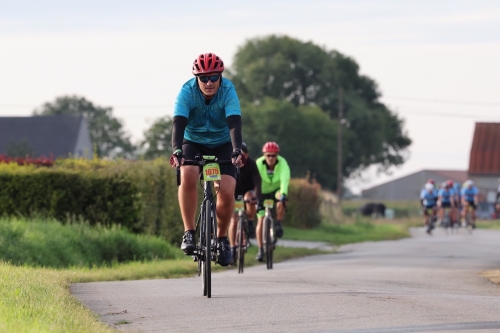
202 162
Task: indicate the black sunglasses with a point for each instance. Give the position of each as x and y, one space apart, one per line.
270 155
212 78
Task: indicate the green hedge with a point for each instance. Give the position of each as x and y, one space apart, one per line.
139 195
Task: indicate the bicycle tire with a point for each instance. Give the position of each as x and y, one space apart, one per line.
268 247
207 261
239 250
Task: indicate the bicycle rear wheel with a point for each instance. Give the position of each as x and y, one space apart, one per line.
268 240
207 260
240 249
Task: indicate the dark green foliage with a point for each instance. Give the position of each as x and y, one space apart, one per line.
305 135
60 193
106 131
158 139
49 243
305 74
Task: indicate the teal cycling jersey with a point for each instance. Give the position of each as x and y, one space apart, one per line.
207 123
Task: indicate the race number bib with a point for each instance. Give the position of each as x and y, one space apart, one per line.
268 203
211 172
238 205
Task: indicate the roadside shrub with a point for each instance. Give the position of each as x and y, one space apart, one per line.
138 195
41 242
64 194
303 205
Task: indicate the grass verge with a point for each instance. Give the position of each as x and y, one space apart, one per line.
340 234
38 299
489 224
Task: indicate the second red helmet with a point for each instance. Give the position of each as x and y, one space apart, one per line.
271 147
208 63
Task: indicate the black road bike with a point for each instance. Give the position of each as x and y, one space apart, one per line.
206 224
242 241
268 238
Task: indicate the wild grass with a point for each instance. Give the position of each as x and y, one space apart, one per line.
339 234
49 243
38 300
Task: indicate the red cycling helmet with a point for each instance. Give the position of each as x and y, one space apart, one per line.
449 183
431 181
271 147
208 63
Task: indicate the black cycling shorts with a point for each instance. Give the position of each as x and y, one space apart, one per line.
425 208
191 149
445 204
472 204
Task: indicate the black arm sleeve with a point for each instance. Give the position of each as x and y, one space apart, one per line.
234 124
178 126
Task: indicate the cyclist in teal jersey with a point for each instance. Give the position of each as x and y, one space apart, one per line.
207 121
275 174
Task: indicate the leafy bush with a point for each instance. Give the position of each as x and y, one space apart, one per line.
140 195
43 242
303 204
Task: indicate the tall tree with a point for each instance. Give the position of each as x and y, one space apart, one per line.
106 131
307 74
304 134
158 139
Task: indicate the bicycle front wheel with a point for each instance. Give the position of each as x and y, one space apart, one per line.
268 242
240 249
207 260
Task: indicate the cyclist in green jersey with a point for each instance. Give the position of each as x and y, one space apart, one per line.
275 174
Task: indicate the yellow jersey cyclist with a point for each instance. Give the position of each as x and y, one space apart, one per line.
469 198
207 121
249 189
275 174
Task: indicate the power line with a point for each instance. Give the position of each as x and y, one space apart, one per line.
441 114
148 106
442 101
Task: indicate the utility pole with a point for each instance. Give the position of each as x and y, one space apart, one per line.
339 148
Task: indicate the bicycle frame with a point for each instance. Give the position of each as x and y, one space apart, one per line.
268 232
206 223
241 233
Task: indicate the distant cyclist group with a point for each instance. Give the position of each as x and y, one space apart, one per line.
207 122
451 201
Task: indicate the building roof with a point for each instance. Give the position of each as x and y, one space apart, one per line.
455 175
46 135
485 150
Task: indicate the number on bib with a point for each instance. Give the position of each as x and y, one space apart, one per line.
211 172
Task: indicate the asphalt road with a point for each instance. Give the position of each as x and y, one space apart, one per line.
422 284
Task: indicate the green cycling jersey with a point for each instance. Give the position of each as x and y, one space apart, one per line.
277 179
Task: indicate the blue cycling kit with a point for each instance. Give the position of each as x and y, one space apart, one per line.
207 122
469 193
429 198
446 195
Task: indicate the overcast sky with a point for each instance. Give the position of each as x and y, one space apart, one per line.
437 63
